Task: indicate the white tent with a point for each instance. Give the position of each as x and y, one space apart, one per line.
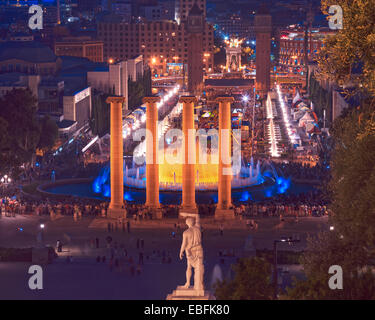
305 119
298 115
297 98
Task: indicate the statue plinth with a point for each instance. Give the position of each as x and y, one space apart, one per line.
116 213
183 293
159 214
188 212
224 214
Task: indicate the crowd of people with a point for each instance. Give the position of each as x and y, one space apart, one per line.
303 171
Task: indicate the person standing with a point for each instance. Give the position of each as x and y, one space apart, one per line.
140 260
142 244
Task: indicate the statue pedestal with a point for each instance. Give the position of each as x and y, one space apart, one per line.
224 214
116 213
182 293
157 213
185 213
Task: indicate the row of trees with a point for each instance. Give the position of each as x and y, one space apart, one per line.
321 98
351 188
100 117
139 89
351 244
21 132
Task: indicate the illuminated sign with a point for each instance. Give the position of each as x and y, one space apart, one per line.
82 95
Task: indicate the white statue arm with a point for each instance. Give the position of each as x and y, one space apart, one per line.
183 246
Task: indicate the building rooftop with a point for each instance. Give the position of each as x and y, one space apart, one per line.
195 10
31 51
229 82
64 124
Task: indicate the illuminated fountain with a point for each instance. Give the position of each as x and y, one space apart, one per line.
233 54
170 176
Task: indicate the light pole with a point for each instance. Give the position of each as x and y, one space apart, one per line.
42 226
289 240
5 180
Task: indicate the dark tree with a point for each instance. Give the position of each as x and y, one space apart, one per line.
48 135
18 108
252 281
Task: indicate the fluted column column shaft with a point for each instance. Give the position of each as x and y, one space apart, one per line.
152 166
116 161
225 151
189 157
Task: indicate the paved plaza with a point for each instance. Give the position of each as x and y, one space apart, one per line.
85 278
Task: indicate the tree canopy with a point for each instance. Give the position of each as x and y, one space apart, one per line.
352 185
252 281
351 50
21 131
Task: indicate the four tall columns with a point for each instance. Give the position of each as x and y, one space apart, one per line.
116 207
152 146
189 154
224 206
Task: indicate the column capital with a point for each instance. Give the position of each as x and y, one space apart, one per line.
188 99
151 99
225 99
115 100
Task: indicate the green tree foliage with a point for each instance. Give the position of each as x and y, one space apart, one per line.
329 249
100 115
137 90
353 175
48 134
20 130
4 144
321 98
352 185
147 82
18 109
135 94
252 281
352 46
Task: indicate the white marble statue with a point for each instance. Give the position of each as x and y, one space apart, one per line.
192 246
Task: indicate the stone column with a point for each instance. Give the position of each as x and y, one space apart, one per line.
152 144
223 210
189 157
115 209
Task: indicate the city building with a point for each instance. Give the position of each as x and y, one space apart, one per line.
122 8
83 47
195 27
164 45
292 46
234 24
183 8
48 91
263 29
113 78
163 10
29 57
77 106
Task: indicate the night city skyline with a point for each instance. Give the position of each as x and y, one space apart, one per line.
187 150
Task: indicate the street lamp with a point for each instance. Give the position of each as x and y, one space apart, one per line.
5 180
41 226
289 240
